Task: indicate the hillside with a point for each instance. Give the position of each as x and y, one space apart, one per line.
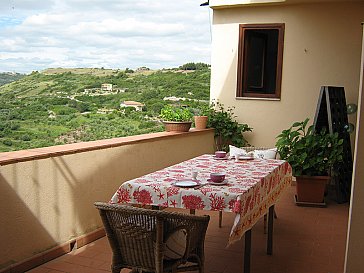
58 106
8 77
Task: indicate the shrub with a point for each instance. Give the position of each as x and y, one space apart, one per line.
307 151
227 129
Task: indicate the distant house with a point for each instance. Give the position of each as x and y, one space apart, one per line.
129 103
173 98
106 87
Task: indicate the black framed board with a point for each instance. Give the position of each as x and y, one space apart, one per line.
331 114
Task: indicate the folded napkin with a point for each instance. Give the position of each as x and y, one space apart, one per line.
235 151
265 154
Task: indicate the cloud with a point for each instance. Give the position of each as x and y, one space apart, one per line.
109 33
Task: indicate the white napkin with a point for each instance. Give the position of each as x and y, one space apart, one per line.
266 154
235 151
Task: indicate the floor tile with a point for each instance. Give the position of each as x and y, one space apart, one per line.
305 240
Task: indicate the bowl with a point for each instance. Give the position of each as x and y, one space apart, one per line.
220 154
217 177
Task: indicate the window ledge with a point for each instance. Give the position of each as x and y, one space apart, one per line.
252 98
7 158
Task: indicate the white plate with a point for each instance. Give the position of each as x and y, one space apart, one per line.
220 158
216 183
186 183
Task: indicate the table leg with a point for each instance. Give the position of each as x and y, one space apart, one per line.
220 219
247 250
270 230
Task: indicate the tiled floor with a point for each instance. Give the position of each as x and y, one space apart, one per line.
306 240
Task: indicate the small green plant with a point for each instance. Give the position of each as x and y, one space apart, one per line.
202 110
309 152
227 129
171 113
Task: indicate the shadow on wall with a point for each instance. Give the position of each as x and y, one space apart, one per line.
105 176
18 224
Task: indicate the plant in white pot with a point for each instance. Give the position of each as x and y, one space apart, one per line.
176 119
312 156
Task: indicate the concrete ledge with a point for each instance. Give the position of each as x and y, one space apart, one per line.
7 158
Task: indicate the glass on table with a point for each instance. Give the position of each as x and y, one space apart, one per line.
194 174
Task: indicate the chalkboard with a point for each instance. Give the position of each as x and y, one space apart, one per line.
331 114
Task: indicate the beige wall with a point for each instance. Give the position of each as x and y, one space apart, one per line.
355 244
322 47
50 201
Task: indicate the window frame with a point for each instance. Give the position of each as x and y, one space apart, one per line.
241 90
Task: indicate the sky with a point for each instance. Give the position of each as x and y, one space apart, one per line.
35 34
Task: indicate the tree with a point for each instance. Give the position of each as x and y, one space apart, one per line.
128 70
194 66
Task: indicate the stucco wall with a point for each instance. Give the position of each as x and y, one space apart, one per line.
355 244
49 201
322 47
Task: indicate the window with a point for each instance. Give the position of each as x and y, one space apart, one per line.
260 60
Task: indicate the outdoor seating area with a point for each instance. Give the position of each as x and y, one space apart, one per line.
306 240
260 166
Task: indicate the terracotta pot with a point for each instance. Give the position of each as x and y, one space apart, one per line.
311 189
200 122
176 126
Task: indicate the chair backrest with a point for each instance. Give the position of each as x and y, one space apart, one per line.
138 236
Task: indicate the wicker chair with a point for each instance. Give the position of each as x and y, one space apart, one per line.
138 238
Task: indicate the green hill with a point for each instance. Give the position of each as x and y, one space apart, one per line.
8 77
58 106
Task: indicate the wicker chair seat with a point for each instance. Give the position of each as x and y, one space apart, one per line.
138 238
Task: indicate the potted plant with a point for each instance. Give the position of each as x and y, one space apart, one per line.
201 116
176 118
227 130
312 156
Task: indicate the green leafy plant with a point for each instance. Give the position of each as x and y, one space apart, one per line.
309 152
202 110
171 113
227 129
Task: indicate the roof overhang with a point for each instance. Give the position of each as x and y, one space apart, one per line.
216 4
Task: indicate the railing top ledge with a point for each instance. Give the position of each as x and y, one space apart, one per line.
7 158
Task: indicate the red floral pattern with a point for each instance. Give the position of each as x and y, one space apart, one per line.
192 202
253 186
217 202
123 195
143 197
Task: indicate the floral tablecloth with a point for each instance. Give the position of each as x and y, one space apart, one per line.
252 187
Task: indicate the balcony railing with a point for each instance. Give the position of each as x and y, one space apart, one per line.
48 193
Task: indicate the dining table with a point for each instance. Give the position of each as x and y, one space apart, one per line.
250 190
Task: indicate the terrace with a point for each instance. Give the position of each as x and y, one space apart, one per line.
48 193
51 191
